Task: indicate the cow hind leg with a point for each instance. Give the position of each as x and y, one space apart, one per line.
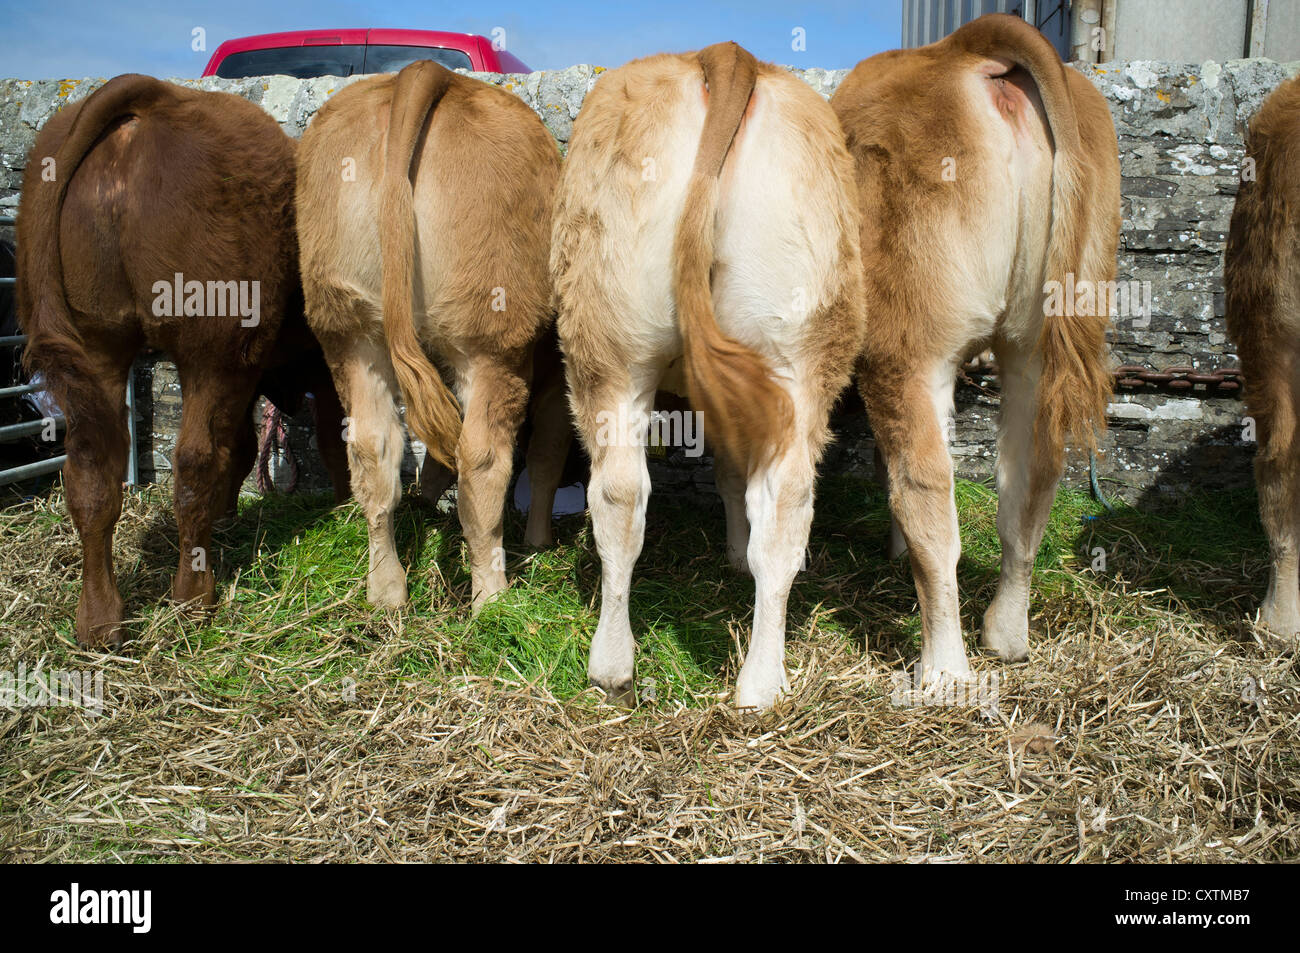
494 395
779 506
548 448
1277 475
214 411
1279 490
245 455
732 487
375 441
327 416
910 424
896 544
435 479
97 447
1027 475
617 499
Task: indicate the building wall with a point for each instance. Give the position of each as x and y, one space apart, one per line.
1187 31
1282 39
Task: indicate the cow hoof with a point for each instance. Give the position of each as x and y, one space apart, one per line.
194 590
388 599
621 693
483 597
1279 629
105 637
99 621
539 539
611 663
1280 645
759 692
1008 639
540 544
1283 623
386 592
738 559
942 673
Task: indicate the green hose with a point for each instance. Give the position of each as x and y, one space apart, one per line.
1096 486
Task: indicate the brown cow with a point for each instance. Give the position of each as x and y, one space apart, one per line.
424 203
988 177
1262 279
706 217
154 215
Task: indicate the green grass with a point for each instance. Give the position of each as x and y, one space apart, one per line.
292 583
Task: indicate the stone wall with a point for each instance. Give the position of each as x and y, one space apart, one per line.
1180 138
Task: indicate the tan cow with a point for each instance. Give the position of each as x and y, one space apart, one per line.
1262 279
988 178
706 213
424 208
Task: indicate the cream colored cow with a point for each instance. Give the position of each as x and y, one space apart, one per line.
706 213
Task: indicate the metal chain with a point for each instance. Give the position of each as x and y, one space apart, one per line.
1218 382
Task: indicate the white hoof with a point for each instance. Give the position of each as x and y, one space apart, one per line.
1006 633
759 690
1284 622
1281 627
616 681
611 666
944 668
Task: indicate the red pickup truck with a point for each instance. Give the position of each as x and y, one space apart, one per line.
308 53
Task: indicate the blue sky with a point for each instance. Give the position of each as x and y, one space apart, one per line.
77 38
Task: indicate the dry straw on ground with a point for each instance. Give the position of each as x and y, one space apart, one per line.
1136 732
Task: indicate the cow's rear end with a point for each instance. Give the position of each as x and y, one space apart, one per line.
1262 283
988 175
424 206
705 216
156 215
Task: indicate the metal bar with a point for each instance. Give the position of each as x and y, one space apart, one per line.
13 431
1108 51
132 458
19 390
14 474
1256 28
29 428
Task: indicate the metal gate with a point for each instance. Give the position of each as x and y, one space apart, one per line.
12 432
